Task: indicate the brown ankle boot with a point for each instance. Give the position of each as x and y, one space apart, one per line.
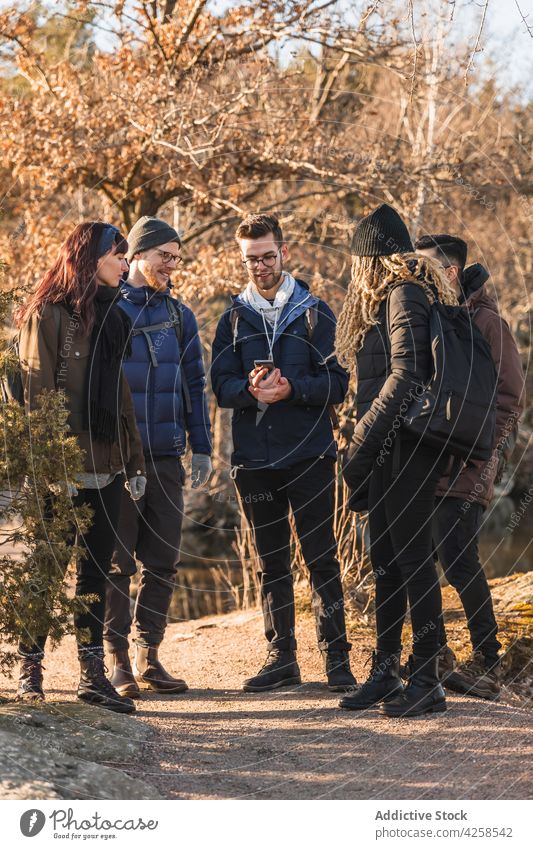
151 675
121 675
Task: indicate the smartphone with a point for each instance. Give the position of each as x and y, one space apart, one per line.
268 364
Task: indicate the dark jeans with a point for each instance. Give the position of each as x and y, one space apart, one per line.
93 568
455 534
149 531
401 550
309 488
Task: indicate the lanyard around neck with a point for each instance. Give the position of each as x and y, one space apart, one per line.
270 340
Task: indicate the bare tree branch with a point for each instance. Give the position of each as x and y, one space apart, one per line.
478 39
529 27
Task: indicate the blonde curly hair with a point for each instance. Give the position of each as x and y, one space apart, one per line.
371 279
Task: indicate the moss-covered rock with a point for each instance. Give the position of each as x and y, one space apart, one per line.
69 751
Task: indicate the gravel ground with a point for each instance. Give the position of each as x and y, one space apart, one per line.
216 742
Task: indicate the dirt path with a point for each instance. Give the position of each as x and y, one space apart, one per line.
217 742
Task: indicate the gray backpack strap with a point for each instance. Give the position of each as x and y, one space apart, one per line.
311 321
176 317
234 322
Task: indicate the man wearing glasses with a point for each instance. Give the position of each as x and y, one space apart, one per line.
273 364
166 375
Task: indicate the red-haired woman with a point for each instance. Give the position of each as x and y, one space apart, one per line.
73 337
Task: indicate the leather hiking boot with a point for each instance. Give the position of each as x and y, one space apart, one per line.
446 662
338 672
30 688
121 675
95 689
150 673
476 677
423 694
383 683
279 670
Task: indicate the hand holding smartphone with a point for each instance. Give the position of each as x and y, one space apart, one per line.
268 364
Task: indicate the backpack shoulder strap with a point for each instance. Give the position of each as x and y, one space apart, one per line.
234 323
175 314
311 320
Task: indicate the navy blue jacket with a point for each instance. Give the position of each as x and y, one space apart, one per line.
157 393
300 427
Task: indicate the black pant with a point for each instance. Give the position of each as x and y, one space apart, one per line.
150 531
309 488
93 567
455 533
401 551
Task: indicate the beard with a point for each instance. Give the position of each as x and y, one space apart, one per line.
272 280
152 281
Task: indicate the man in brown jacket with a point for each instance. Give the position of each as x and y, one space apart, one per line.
460 503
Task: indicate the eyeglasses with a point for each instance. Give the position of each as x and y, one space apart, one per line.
268 260
168 257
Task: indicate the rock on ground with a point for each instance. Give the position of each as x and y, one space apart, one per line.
58 751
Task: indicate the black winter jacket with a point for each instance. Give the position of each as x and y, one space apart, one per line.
388 371
300 427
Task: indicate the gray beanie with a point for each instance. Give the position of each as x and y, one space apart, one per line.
148 233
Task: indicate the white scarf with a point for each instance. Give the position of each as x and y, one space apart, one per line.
268 309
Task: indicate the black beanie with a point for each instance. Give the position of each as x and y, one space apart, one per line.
148 233
381 233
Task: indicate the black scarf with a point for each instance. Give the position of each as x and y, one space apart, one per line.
110 344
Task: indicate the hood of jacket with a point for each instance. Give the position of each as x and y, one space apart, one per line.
475 294
300 300
473 278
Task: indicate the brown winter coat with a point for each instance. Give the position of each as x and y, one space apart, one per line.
55 357
476 480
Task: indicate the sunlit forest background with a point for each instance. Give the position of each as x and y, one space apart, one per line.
199 112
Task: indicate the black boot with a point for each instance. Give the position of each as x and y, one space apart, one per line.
279 670
121 674
94 688
446 663
423 694
339 674
383 683
30 687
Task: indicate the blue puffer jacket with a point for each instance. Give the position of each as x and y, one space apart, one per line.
300 427
157 393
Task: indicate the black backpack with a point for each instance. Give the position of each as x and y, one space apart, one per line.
11 385
456 409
